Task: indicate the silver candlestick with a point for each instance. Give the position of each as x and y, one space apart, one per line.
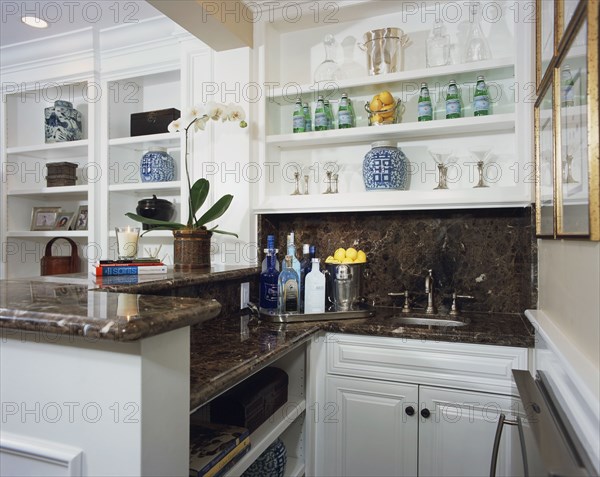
306 184
328 174
335 183
297 179
443 170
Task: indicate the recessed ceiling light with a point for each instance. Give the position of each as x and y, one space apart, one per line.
34 22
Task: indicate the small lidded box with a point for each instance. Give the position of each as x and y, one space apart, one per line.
152 122
61 174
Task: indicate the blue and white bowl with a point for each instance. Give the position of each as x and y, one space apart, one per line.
385 167
63 122
157 166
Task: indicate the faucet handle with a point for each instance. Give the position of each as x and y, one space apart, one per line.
406 307
454 308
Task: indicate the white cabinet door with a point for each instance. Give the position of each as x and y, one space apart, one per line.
370 432
458 436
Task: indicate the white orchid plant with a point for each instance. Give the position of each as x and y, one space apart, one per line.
195 120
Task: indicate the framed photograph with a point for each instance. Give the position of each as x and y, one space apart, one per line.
544 162
44 218
63 221
81 218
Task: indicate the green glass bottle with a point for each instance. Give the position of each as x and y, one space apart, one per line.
320 115
329 114
481 98
344 113
425 111
352 113
298 121
307 118
453 101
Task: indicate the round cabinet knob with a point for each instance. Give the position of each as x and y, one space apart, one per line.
425 413
410 411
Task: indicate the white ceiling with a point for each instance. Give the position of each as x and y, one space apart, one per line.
66 16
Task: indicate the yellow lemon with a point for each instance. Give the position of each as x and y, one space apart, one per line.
361 257
329 259
376 119
386 98
347 260
335 262
340 254
387 115
351 253
376 104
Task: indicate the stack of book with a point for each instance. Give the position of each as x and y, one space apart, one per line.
216 448
137 266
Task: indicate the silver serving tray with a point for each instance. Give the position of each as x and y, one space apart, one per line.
365 312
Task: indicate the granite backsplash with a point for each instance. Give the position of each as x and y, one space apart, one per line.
489 254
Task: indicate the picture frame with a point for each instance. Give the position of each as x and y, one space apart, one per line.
544 162
80 221
572 76
44 218
63 221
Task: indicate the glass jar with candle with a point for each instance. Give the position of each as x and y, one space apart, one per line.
127 242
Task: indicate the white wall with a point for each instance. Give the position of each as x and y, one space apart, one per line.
569 294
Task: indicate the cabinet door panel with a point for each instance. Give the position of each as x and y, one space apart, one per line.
457 437
370 432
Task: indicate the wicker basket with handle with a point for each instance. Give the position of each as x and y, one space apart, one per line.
61 264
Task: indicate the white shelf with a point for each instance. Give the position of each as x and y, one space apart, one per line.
172 187
404 131
47 233
57 150
294 467
368 82
151 233
78 192
145 143
264 436
397 200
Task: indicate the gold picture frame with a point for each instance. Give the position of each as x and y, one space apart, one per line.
572 79
63 220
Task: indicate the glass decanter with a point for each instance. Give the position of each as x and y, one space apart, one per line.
476 47
328 69
438 46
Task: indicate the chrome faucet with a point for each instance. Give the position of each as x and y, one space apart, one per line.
429 291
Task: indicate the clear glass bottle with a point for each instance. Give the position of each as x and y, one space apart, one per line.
305 266
314 295
291 251
328 69
321 119
481 98
453 101
476 46
288 288
425 112
438 46
269 285
298 118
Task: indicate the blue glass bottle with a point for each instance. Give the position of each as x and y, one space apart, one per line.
289 288
269 286
270 248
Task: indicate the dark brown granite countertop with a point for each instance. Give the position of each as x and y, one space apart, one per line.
224 352
60 306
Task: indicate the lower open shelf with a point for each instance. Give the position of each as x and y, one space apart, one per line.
270 430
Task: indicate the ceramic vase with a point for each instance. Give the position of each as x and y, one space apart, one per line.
385 167
191 249
63 122
157 166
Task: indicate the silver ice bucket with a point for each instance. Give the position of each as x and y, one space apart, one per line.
344 285
384 50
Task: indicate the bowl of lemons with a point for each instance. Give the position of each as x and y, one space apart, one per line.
384 109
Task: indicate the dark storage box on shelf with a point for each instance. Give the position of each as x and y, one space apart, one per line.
153 122
253 401
61 174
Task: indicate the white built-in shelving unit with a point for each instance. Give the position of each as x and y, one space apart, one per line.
286 56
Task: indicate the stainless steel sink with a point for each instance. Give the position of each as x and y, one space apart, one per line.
429 320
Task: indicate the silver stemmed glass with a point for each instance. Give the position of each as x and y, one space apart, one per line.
442 157
482 155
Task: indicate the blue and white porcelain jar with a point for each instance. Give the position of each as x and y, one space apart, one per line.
385 167
157 165
271 462
63 122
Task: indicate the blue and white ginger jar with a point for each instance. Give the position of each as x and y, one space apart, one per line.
385 167
63 122
157 166
271 462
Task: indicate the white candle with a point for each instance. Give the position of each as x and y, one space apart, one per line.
127 242
127 305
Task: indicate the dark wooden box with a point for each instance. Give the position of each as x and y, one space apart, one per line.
61 174
153 122
253 401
